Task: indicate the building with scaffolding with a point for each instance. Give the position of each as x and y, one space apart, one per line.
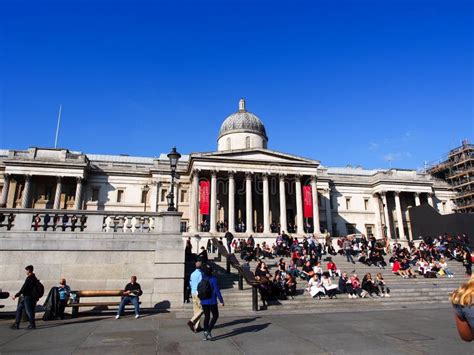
457 168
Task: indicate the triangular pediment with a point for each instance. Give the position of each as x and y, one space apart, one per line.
257 155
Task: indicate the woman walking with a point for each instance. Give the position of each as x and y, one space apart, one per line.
209 293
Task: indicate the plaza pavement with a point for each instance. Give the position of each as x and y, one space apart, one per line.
414 331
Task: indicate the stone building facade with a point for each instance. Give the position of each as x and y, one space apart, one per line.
252 188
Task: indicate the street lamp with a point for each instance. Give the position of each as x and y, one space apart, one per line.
173 156
145 189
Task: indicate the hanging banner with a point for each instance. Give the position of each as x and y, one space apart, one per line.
204 189
307 202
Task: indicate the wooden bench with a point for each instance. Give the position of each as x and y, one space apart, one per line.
94 293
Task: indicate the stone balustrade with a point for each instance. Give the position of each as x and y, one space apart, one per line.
76 221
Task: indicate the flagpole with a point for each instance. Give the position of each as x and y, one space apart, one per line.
57 127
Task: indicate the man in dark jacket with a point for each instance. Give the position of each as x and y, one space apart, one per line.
131 295
28 299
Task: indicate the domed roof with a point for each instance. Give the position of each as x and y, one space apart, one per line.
242 121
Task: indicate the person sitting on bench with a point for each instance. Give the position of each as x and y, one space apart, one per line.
131 294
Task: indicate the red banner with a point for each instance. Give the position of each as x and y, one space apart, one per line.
204 189
307 202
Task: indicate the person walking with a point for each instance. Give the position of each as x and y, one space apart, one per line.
29 295
229 237
209 293
131 294
347 246
194 280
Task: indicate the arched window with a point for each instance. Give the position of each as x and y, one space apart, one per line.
229 146
247 142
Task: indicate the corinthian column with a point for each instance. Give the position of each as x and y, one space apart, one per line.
314 196
231 213
417 199
213 222
266 205
248 202
283 223
327 194
401 230
57 194
193 202
26 192
299 206
386 215
78 198
6 187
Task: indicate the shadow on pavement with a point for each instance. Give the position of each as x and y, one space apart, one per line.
242 330
235 322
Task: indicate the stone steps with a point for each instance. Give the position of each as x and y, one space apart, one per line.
405 293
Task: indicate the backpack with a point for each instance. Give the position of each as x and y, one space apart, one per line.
204 289
38 290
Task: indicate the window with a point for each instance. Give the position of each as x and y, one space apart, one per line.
48 192
369 228
183 227
348 204
366 204
163 195
229 145
95 194
320 202
247 142
183 195
144 194
119 195
351 228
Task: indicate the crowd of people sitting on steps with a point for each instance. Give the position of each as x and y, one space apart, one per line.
311 262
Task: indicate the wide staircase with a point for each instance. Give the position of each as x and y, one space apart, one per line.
405 293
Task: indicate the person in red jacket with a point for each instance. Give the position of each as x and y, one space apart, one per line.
332 269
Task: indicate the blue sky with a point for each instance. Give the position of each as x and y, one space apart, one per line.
371 83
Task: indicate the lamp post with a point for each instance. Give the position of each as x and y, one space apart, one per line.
145 189
173 156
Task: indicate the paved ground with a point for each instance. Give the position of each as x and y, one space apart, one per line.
376 332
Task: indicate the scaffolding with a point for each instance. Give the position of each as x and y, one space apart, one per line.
457 168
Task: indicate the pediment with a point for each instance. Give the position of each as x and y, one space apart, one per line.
256 155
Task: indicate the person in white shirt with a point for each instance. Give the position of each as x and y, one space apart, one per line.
330 288
444 266
315 288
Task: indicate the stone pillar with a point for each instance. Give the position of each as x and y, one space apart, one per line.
266 205
6 187
78 198
26 192
401 230
417 199
176 194
378 219
430 199
299 206
168 271
213 222
154 196
283 223
314 195
386 215
248 203
57 194
231 208
327 195
193 203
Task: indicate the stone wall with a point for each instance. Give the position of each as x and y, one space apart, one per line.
99 261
